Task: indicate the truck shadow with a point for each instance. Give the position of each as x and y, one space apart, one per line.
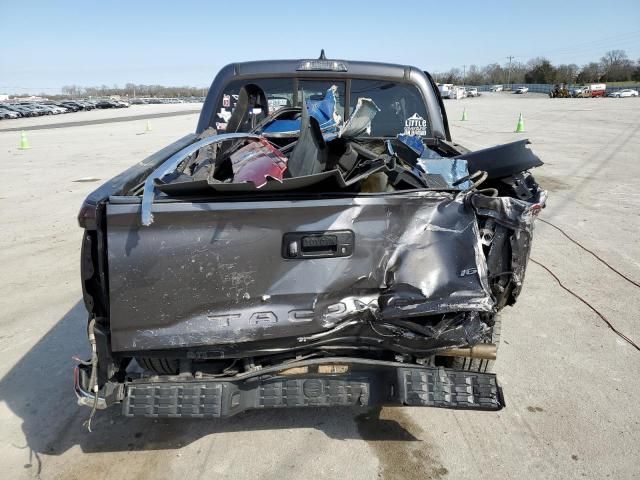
39 390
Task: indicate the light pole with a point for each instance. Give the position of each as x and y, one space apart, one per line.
510 57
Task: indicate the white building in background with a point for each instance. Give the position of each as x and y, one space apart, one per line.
4 97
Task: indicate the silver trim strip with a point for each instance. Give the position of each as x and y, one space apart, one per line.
169 165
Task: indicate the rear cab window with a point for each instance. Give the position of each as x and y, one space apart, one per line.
402 107
279 93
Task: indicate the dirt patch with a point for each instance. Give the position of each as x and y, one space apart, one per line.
400 446
86 180
550 183
535 409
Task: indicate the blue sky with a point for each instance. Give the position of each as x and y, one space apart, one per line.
47 44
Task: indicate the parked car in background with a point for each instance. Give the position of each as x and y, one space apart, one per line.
577 91
9 108
521 90
4 113
46 109
56 109
86 105
472 92
111 104
72 106
36 109
25 112
497 88
627 92
106 104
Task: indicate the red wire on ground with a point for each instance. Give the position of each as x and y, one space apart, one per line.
604 319
633 282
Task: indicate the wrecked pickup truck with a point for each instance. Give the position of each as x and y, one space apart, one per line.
318 241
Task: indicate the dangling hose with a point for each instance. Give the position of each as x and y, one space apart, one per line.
480 175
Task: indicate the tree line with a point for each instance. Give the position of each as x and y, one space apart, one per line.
132 90
614 66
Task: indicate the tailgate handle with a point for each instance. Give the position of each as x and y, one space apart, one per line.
319 244
300 245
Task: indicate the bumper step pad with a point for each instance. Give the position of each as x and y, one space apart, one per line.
388 385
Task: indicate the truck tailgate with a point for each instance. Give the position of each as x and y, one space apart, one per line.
207 273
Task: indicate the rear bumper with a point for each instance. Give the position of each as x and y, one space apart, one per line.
315 383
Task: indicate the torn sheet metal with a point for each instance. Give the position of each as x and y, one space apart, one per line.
360 120
256 162
170 165
309 156
451 170
414 254
502 160
414 142
326 110
517 216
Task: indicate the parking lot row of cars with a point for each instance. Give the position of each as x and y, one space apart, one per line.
19 109
145 101
9 110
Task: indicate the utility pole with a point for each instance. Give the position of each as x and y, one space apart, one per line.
464 74
510 57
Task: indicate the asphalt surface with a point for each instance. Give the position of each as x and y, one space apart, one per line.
571 384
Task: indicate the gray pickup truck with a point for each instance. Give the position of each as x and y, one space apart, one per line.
318 241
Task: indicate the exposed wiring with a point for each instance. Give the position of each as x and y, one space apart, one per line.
381 334
93 380
633 282
601 315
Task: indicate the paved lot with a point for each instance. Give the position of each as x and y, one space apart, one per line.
571 385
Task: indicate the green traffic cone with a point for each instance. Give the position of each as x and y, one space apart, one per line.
520 125
147 128
464 115
24 143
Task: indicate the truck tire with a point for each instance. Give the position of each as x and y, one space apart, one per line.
479 364
161 366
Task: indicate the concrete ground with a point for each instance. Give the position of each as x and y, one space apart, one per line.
571 384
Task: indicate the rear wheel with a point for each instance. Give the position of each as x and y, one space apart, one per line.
161 366
480 364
